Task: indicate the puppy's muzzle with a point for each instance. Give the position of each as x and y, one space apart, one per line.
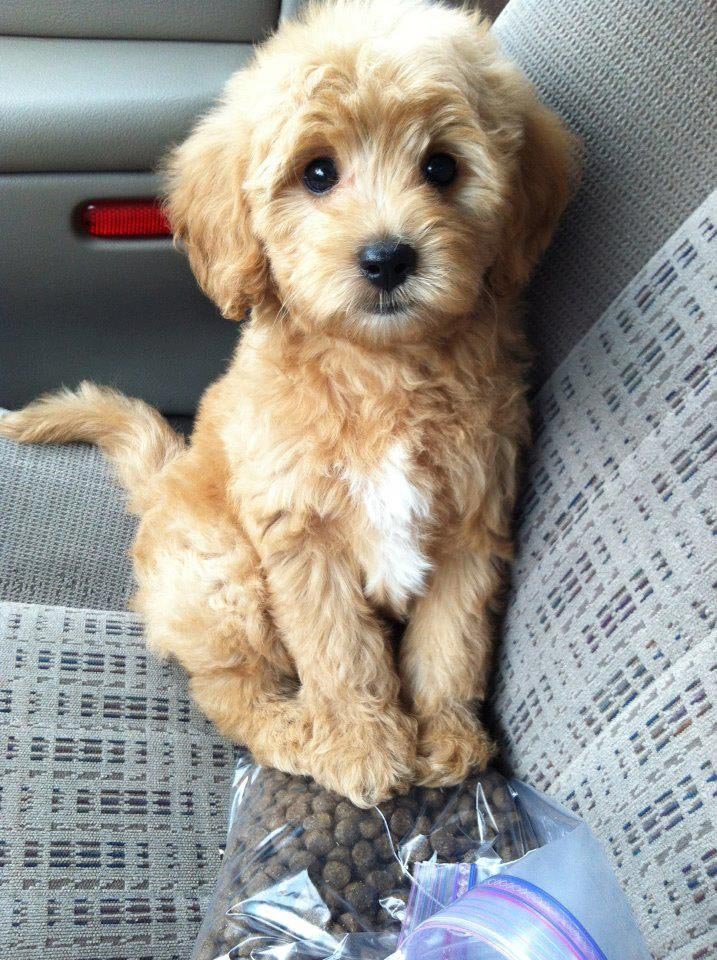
387 263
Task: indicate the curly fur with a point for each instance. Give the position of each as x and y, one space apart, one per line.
350 464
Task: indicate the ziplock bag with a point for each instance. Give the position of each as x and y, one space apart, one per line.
307 874
490 870
559 902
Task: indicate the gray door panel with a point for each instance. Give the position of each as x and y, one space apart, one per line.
126 313
243 20
86 118
103 104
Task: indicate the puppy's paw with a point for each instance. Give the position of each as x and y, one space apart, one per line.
450 746
368 761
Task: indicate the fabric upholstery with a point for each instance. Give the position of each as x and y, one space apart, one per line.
114 791
64 529
607 676
636 80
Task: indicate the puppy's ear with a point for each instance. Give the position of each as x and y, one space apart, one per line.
543 183
209 211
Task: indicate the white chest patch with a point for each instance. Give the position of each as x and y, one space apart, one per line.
396 511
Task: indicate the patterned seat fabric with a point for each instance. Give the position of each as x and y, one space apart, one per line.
607 675
607 690
635 80
113 789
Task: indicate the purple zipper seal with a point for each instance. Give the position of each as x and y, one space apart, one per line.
544 913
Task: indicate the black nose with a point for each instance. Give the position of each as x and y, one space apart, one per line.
387 263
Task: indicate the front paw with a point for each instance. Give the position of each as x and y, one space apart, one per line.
451 745
367 760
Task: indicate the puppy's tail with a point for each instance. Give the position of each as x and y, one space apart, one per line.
136 439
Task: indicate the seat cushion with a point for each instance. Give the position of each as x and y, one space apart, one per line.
114 792
64 528
635 79
608 677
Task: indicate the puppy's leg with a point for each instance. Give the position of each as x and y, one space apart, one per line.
445 660
253 705
203 598
362 744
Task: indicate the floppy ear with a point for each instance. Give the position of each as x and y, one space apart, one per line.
208 209
542 185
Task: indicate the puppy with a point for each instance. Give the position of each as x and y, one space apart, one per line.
376 189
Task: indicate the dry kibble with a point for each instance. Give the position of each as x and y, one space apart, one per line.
302 860
259 881
243 950
361 896
297 810
408 802
319 842
417 849
276 870
334 899
276 822
382 880
463 844
349 922
501 799
466 801
286 848
326 803
318 821
336 874
344 809
297 785
347 831
254 836
364 855
433 798
467 817
340 853
401 823
443 842
422 826
387 807
370 826
384 847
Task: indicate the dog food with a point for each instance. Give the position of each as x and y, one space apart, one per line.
304 868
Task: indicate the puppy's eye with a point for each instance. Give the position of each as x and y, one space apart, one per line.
321 175
440 169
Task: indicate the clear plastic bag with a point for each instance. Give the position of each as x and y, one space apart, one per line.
559 902
308 875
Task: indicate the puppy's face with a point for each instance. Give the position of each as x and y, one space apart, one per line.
373 171
382 212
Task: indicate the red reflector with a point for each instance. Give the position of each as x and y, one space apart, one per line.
124 218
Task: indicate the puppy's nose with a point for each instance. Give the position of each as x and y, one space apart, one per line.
387 263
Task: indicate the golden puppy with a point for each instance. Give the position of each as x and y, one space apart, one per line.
377 188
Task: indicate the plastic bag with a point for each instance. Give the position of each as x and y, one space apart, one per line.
308 875
559 902
490 870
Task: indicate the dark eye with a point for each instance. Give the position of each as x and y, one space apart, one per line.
440 169
321 175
